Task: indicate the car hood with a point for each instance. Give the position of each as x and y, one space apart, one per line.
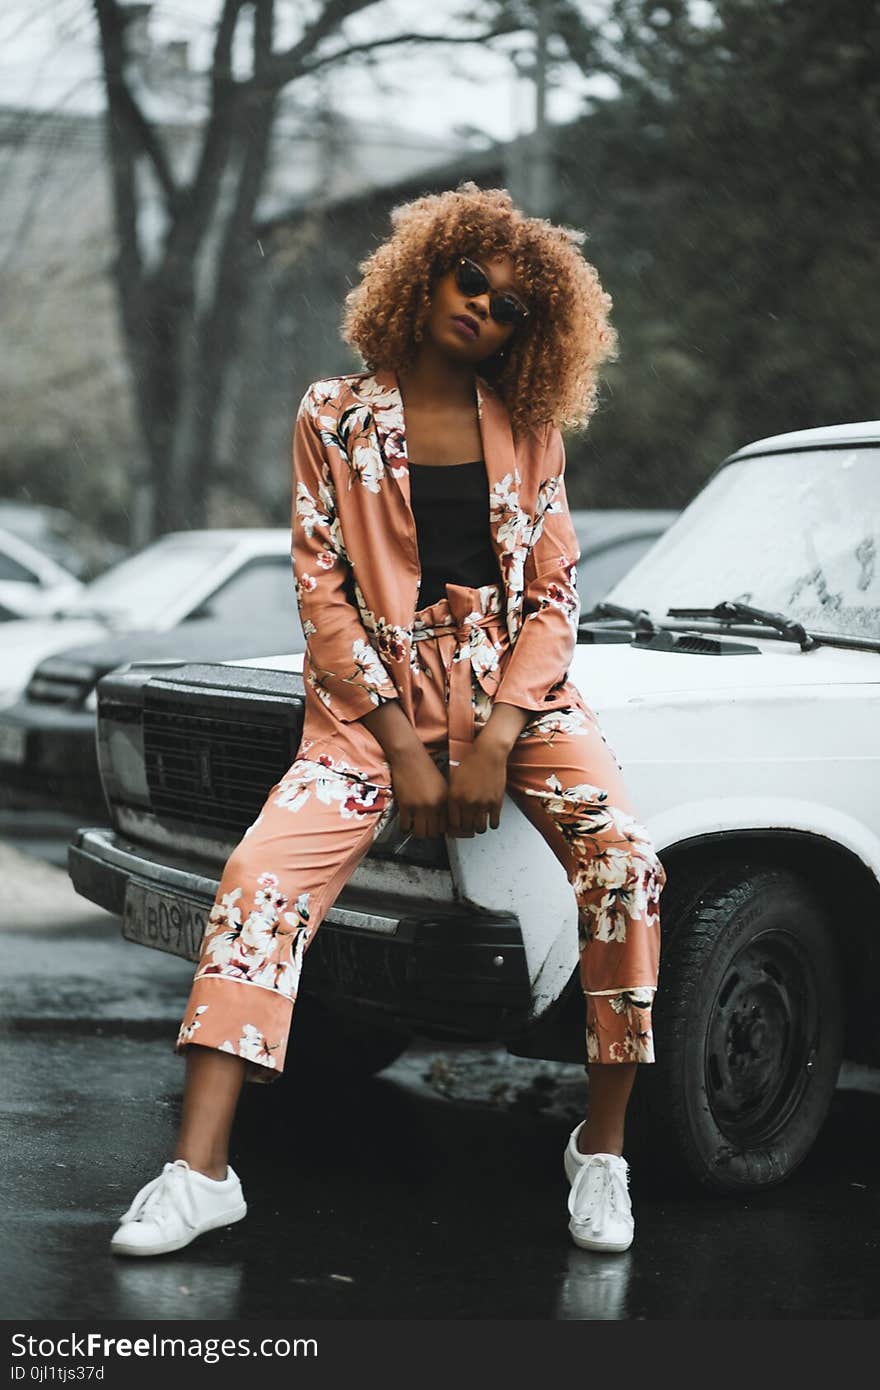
620 673
207 640
26 642
614 674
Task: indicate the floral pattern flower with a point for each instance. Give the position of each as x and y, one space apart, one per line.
512 528
633 1008
391 639
253 1046
188 1030
558 722
257 949
331 782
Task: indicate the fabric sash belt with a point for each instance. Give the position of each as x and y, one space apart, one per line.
472 643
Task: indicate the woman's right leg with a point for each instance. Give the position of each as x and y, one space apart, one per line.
316 825
278 884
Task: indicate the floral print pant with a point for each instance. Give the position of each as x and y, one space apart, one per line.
321 818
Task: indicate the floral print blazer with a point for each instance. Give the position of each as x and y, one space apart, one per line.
356 564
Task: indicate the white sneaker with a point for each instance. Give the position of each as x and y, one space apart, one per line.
598 1203
174 1208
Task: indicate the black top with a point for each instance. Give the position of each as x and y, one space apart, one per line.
451 508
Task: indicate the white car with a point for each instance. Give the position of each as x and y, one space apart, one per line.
67 540
152 591
30 582
735 670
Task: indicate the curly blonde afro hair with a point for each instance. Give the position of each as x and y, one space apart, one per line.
548 373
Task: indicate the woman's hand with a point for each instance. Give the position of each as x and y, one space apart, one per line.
478 784
420 790
476 789
429 805
418 785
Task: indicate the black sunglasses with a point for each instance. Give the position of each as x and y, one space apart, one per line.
504 307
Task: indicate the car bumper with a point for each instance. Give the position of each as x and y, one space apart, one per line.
449 971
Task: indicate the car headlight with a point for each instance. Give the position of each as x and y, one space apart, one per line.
91 700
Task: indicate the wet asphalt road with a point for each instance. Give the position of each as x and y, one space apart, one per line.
433 1191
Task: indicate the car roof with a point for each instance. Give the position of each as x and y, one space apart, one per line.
822 437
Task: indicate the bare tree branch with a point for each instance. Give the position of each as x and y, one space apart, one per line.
112 19
151 146
341 54
198 202
221 67
288 64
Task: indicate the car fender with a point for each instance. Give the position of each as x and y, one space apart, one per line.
717 816
520 873
513 869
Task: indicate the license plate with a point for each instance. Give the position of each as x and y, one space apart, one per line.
166 921
13 743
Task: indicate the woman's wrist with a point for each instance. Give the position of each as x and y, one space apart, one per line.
503 727
390 726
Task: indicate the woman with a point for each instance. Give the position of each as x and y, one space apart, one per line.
435 567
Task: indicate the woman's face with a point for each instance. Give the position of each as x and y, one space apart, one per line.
460 324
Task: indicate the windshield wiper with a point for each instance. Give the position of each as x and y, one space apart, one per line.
731 610
639 617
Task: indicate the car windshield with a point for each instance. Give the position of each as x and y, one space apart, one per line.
141 588
262 589
798 533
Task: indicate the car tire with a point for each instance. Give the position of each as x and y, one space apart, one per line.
326 1046
748 1029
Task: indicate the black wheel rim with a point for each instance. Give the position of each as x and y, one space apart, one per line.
761 1039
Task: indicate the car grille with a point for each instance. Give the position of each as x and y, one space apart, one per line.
215 772
210 769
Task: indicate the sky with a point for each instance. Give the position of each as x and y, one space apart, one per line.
48 59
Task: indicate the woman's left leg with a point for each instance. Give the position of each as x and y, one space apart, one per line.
568 782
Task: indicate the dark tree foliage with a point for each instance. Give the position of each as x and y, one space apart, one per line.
732 193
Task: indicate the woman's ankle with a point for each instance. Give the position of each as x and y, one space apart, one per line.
596 1141
208 1167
